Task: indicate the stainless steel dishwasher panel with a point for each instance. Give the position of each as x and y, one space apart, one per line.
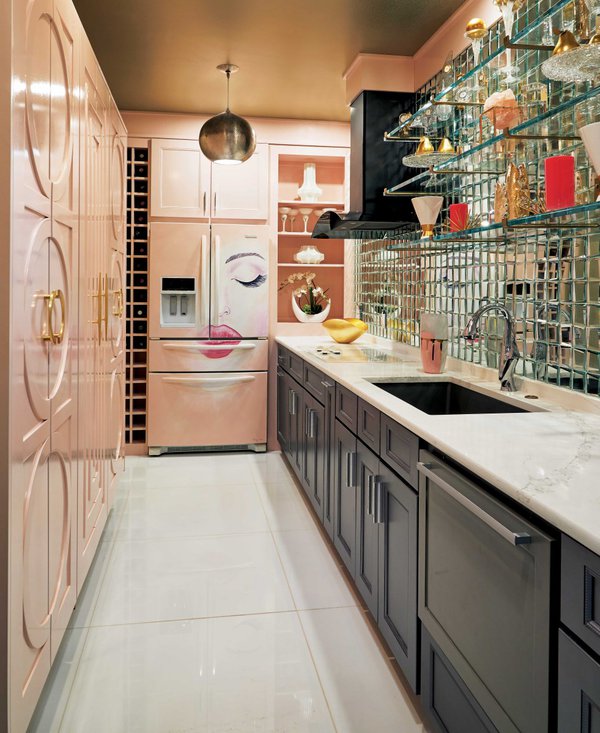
484 595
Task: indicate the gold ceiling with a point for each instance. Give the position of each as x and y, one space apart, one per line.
161 55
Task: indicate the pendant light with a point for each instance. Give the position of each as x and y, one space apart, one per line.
227 138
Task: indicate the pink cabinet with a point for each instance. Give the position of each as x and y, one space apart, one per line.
180 180
186 185
241 191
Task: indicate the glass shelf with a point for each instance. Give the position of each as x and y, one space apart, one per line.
490 158
582 218
462 90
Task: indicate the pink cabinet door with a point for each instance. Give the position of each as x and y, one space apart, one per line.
179 250
187 355
209 409
180 180
239 281
242 191
118 155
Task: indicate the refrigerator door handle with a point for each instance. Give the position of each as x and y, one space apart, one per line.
204 284
215 279
207 346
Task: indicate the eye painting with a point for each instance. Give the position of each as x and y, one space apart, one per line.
247 269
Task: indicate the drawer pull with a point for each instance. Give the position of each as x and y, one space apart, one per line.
370 482
207 347
214 382
350 469
514 538
378 509
327 385
312 424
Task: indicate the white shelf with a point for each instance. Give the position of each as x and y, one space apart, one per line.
294 234
299 264
314 205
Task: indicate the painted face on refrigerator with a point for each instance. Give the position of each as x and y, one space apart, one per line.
243 296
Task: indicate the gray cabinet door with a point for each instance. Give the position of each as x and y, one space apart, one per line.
283 414
344 518
329 458
397 618
367 530
578 688
296 436
313 460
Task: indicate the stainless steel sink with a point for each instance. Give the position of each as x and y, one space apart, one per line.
442 397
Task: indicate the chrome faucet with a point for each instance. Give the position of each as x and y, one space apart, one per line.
510 351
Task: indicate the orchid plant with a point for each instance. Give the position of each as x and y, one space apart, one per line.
315 298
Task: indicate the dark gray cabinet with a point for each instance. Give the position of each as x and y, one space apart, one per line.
313 447
578 688
367 527
367 426
329 460
398 542
346 407
399 448
283 415
446 700
344 487
580 592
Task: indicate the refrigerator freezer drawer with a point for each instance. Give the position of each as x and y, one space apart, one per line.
203 356
207 409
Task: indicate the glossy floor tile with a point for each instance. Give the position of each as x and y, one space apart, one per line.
168 579
252 673
214 605
362 693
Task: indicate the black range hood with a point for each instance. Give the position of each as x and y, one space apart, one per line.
374 165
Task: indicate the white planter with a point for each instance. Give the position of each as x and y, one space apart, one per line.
428 209
310 318
590 134
309 191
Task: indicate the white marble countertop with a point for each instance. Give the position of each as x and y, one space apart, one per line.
548 461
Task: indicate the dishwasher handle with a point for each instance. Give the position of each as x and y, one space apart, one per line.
514 538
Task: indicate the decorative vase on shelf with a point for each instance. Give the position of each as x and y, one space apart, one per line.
310 317
590 134
309 191
308 254
428 209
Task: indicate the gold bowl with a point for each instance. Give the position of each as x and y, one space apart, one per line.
345 330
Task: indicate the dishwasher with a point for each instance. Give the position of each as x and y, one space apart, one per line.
485 596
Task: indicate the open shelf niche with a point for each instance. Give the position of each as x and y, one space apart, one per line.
331 176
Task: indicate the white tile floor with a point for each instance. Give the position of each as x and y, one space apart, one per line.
215 606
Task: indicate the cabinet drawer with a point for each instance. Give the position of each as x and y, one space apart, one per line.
578 688
188 355
296 367
346 407
580 592
368 425
315 382
399 448
283 358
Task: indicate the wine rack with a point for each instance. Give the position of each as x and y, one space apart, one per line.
136 388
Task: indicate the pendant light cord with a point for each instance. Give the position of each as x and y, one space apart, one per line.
228 73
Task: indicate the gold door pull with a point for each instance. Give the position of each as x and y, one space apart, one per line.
106 296
48 333
119 306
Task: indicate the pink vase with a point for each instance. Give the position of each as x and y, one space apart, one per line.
433 353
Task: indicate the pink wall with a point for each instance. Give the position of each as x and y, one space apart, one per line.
147 125
408 73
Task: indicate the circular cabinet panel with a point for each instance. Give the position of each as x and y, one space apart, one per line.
117 187
59 525
35 310
38 84
36 613
116 308
117 419
61 91
59 257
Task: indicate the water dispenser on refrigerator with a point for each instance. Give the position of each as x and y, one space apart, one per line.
178 301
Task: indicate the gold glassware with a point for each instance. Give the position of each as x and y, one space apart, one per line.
446 147
424 147
345 330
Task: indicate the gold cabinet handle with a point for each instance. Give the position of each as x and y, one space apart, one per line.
99 307
119 306
106 296
49 334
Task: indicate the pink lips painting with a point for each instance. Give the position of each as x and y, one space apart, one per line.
220 336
